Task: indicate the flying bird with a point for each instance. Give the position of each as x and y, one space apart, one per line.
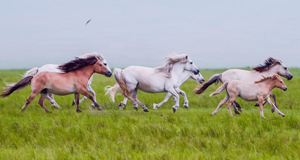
88 22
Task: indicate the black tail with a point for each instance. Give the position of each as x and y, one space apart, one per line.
21 84
214 79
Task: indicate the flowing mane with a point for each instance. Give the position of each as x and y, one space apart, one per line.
95 54
78 63
264 78
170 61
270 62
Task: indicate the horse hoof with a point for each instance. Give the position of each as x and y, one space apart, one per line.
256 104
155 106
99 108
146 110
78 110
272 110
186 107
174 110
283 115
136 108
73 103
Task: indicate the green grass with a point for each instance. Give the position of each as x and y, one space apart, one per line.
158 134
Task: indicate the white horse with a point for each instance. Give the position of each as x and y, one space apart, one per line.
152 80
270 67
54 68
184 76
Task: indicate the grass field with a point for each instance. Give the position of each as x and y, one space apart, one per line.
158 134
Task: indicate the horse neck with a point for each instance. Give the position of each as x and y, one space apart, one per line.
184 76
268 85
86 71
271 70
177 70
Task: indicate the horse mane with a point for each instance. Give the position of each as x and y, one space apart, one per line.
264 78
270 62
170 61
78 63
95 54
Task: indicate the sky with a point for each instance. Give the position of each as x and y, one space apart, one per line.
214 33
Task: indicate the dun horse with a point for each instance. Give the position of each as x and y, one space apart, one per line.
54 68
152 80
258 91
270 67
74 80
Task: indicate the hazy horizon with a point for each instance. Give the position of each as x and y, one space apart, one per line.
215 34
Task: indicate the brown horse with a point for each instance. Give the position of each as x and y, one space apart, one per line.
74 80
258 91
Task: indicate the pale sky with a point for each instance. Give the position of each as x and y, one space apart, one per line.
214 33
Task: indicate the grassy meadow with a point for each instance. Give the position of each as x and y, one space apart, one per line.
158 134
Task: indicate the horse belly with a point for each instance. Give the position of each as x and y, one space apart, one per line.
248 96
61 89
150 88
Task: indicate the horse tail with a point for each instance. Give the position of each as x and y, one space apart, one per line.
10 88
214 79
121 81
220 89
112 90
31 72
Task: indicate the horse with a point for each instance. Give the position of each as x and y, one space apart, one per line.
74 79
152 80
257 91
270 67
54 68
184 76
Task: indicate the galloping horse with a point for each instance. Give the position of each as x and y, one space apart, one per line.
184 76
270 67
152 80
260 90
74 80
54 68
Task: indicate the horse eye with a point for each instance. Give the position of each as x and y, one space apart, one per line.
100 65
280 81
285 68
191 62
105 64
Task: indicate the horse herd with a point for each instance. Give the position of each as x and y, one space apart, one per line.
76 77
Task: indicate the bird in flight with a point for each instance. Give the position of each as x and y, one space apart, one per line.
88 21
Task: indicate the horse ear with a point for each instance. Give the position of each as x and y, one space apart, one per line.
275 76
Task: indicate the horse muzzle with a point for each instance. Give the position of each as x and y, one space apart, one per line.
201 81
107 73
284 88
289 77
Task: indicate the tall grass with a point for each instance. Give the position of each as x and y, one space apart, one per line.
158 134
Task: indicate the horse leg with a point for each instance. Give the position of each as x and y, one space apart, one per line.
134 96
220 105
29 99
42 100
156 106
50 97
274 107
84 92
260 102
274 99
229 103
186 101
234 107
123 103
90 89
77 102
237 106
175 97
